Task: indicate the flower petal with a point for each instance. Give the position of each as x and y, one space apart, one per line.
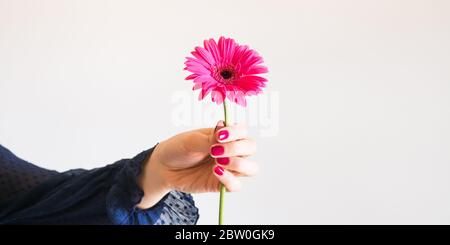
227 48
257 70
211 46
217 96
198 59
205 55
240 99
190 77
200 70
197 86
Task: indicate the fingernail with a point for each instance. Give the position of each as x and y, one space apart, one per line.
217 150
218 170
219 125
223 134
223 160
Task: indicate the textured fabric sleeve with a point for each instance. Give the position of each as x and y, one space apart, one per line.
18 176
175 208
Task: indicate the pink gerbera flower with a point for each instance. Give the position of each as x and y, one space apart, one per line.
226 70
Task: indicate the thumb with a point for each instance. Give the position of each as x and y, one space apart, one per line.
200 140
220 124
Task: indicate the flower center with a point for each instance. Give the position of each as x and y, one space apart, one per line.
226 74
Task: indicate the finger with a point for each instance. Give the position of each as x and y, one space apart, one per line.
243 147
220 124
240 165
231 182
231 133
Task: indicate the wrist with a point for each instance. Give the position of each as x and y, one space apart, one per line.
152 181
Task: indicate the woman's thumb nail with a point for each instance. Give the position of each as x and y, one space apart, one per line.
219 124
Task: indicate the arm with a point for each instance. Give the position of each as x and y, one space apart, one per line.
18 176
151 188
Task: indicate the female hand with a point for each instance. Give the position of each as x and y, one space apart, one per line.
198 161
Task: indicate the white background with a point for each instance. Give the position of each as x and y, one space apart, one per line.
363 112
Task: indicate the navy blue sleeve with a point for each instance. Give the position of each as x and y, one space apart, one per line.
175 208
18 176
106 195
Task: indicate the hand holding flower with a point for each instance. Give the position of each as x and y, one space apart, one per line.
198 161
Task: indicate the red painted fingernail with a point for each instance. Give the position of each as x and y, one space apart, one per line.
217 150
223 160
218 170
223 134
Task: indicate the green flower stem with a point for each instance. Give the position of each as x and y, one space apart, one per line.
222 187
